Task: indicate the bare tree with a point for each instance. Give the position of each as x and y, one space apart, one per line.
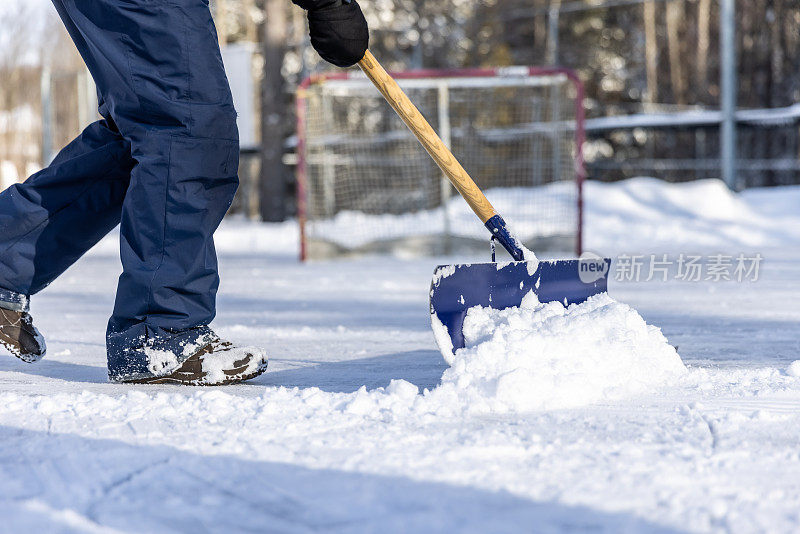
675 20
703 45
651 51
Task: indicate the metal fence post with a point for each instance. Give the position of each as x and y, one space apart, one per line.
728 85
552 33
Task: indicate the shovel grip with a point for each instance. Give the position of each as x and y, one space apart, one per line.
427 137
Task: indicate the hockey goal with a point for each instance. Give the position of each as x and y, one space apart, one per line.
365 185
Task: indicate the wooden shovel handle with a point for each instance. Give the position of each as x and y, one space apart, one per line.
427 137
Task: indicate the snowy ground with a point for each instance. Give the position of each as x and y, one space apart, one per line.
334 438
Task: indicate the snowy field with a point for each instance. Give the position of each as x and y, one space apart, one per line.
351 431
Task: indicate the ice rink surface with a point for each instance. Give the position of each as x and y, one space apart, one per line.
340 436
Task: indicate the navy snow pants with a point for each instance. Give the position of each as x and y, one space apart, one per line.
162 163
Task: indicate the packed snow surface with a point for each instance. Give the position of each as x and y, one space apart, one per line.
360 426
546 356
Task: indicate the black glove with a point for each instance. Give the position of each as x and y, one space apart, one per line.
338 30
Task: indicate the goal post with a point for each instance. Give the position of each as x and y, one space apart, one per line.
366 186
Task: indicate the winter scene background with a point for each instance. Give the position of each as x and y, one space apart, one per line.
670 404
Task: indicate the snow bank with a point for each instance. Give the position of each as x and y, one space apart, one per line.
647 214
236 235
547 210
635 215
638 215
547 356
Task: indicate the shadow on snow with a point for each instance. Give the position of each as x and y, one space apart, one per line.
65 483
422 368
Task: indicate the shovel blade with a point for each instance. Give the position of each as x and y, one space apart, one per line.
457 288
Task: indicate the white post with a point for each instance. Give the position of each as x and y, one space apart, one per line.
80 86
47 116
91 97
87 98
728 85
328 162
555 117
443 103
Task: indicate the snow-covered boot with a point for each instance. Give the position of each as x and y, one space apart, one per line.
213 362
20 337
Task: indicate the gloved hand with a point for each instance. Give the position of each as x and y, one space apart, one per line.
338 30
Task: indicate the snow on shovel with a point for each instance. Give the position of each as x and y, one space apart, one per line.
457 288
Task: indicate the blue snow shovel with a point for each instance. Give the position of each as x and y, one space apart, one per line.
457 288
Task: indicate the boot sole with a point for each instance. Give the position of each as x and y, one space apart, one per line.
190 373
14 350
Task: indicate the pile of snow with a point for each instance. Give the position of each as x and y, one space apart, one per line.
539 356
548 356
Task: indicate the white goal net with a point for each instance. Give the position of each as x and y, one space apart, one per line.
365 185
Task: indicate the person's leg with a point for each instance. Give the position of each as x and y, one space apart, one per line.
54 217
161 73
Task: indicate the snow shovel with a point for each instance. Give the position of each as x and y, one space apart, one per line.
457 288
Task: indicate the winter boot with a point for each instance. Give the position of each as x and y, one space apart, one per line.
213 362
20 337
